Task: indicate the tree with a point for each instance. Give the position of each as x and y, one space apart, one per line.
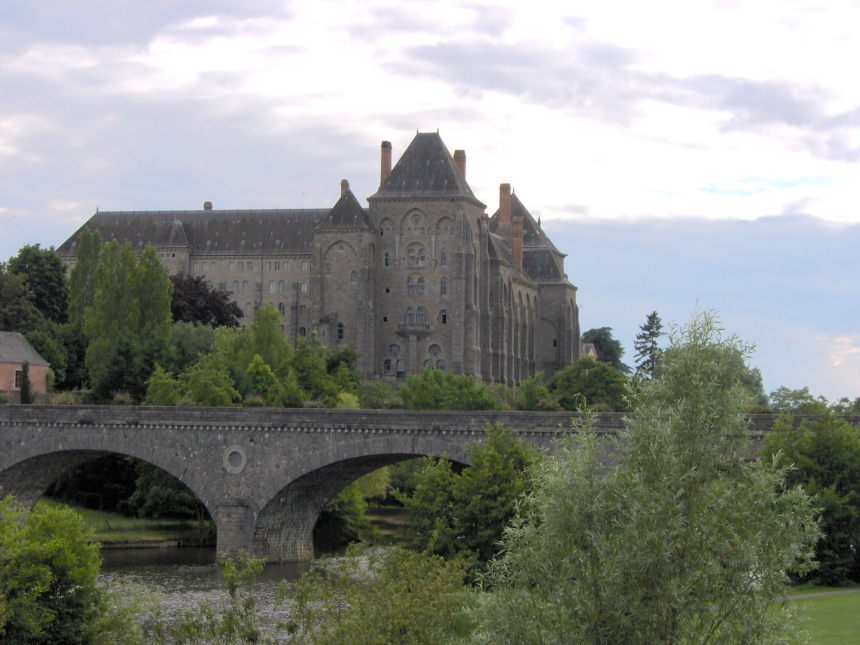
438 390
26 391
463 515
48 567
592 383
682 542
18 311
46 280
196 301
162 389
47 340
532 394
158 494
787 401
208 383
824 457
646 345
608 349
82 280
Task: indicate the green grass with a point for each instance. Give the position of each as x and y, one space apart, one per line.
112 527
832 620
810 587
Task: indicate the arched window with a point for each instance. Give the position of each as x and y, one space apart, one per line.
443 317
282 308
248 310
428 363
340 331
435 350
386 261
353 277
420 286
421 258
394 350
443 260
282 287
245 287
386 366
235 286
410 287
443 287
420 316
327 268
411 258
410 316
271 286
440 365
401 370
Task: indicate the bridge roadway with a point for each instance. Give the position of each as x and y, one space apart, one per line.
263 474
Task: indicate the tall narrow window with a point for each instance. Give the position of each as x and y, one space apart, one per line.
282 287
248 310
303 287
235 286
440 365
282 308
268 266
386 366
411 258
241 266
420 286
353 277
410 316
303 309
303 331
245 287
401 369
386 259
271 286
421 258
443 317
443 287
327 268
340 331
420 316
277 266
410 287
443 260
250 266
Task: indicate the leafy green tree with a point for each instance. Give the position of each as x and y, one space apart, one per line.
26 391
787 401
262 379
46 280
158 494
531 394
208 384
18 311
162 389
82 279
376 394
408 598
647 345
188 343
47 339
195 301
309 363
846 406
682 542
463 515
438 390
48 568
824 457
590 382
609 350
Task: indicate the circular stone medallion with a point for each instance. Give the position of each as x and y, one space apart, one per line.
235 459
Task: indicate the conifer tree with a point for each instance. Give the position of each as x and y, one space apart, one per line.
647 350
26 390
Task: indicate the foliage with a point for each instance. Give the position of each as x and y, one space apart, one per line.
347 401
532 395
438 390
825 459
235 622
188 343
46 280
463 515
103 483
196 301
646 345
681 542
18 311
26 392
47 340
608 349
162 389
158 494
787 401
82 279
207 383
376 394
592 383
406 598
48 567
342 521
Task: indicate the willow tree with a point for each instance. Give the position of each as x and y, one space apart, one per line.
682 541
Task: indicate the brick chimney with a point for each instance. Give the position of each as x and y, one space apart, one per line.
504 228
207 206
460 160
344 186
385 166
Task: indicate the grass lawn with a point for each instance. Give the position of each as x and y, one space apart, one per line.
111 527
832 619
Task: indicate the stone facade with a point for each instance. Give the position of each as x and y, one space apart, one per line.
422 277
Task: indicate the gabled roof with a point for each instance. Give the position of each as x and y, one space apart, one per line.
426 169
14 348
347 213
533 234
274 231
541 266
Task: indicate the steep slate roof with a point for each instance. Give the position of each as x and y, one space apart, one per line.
426 169
533 235
238 232
14 348
541 266
347 213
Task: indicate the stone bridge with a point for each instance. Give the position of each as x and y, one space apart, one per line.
264 475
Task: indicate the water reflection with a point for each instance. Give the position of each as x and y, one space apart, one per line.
185 578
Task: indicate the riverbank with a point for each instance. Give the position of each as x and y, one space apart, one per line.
113 530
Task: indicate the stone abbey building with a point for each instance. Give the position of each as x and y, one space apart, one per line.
422 277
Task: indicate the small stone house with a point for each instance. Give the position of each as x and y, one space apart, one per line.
14 352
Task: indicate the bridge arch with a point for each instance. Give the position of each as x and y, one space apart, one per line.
283 529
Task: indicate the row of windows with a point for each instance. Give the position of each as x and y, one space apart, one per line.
248 266
281 288
416 287
419 316
388 366
414 258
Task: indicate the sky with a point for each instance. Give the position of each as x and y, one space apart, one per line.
683 154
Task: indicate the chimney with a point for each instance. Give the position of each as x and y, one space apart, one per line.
385 166
504 228
344 186
460 160
207 206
